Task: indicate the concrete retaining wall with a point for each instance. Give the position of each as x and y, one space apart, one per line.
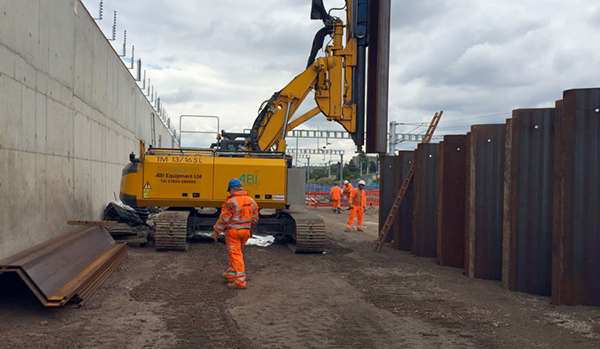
70 113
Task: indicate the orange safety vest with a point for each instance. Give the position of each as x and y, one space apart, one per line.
348 188
239 211
356 200
336 193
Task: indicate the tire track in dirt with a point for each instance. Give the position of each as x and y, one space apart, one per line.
193 298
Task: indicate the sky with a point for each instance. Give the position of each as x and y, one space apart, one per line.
475 60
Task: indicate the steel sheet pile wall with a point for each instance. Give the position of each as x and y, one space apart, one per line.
425 200
485 166
393 170
451 201
403 235
576 225
527 240
387 172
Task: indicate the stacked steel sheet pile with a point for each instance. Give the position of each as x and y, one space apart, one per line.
67 269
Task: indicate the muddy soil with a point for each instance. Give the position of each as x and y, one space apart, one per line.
349 297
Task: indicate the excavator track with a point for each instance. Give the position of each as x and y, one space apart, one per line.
310 232
171 231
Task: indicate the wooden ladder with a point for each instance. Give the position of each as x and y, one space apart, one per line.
405 184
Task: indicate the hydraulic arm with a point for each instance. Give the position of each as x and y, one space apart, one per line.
338 82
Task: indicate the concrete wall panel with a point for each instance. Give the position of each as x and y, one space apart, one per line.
61 42
71 113
10 111
27 130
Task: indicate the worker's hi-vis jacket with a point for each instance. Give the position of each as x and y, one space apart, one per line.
239 211
355 200
348 189
336 193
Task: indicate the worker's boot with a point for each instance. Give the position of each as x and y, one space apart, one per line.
234 285
359 229
346 229
225 277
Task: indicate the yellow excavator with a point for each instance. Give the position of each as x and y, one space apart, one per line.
189 181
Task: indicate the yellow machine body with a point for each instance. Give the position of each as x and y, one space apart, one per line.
199 178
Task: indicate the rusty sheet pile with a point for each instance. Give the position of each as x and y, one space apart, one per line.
517 202
67 269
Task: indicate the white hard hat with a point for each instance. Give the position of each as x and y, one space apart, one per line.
361 182
345 182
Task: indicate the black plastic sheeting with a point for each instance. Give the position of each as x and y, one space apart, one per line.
122 213
529 161
576 229
425 200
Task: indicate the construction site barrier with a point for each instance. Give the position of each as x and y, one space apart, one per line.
322 199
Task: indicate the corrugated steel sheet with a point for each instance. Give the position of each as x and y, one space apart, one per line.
393 170
403 233
485 164
528 180
576 232
387 193
425 200
451 201
70 266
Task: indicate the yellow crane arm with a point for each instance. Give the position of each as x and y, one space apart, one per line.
331 79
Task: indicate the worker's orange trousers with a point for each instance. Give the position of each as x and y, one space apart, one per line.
335 203
347 198
355 210
235 240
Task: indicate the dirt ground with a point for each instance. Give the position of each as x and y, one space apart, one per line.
349 297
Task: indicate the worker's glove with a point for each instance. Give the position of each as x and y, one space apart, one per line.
215 235
351 206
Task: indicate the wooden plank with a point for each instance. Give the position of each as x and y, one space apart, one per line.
92 223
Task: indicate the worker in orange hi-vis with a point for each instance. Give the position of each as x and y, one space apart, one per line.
335 195
358 202
347 190
239 214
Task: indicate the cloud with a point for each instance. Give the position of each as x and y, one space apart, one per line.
470 58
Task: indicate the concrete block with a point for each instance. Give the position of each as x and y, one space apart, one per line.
82 84
83 193
112 87
82 134
24 72
59 127
7 61
110 153
82 107
122 151
98 186
99 72
40 122
19 167
27 131
23 28
9 15
43 54
6 162
54 89
41 81
10 112
98 141
62 42
41 178
59 194
24 177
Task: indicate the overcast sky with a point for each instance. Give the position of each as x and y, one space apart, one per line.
476 60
